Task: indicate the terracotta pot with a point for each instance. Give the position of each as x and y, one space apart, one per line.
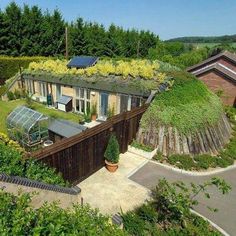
111 167
93 117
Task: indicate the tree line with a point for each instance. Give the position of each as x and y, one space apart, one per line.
28 31
205 39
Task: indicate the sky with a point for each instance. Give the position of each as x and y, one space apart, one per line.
166 18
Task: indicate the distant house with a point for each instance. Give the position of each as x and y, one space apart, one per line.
219 74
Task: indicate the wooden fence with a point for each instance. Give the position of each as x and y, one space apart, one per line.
83 154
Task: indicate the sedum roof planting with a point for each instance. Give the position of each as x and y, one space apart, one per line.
137 77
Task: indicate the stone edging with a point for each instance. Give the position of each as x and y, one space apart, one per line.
217 227
36 184
195 173
142 153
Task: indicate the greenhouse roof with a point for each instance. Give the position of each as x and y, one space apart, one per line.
24 117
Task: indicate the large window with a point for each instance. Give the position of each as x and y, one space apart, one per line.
82 100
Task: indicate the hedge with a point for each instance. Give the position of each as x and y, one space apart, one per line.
9 66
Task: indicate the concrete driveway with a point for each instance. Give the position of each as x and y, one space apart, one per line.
225 218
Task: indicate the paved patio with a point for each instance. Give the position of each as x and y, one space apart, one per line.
111 192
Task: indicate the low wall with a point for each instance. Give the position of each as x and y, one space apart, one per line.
169 141
45 192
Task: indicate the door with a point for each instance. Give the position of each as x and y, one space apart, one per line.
103 105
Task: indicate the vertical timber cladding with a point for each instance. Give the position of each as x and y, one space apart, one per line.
81 155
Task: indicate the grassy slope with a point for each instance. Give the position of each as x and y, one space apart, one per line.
188 106
7 107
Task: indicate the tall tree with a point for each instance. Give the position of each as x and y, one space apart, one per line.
31 23
13 29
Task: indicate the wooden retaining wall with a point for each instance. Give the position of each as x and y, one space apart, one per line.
83 154
169 141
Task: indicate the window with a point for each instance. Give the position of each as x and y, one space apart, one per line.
58 91
30 86
43 89
135 102
82 100
124 103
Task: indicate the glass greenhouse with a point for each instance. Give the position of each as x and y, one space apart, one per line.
26 126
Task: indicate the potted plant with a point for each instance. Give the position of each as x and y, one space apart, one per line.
112 154
94 112
110 112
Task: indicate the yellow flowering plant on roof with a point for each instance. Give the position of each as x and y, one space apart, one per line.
135 68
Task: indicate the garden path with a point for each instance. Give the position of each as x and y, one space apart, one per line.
111 192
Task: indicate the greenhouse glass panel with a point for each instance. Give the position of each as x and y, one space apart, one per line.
27 126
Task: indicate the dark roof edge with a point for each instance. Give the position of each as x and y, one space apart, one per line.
219 69
98 85
228 55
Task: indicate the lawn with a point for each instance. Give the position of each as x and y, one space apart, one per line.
7 107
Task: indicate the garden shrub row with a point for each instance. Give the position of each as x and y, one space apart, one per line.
204 161
12 162
9 66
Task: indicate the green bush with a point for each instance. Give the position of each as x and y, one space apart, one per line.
17 94
231 113
144 147
230 150
9 66
158 157
224 161
3 89
10 96
133 224
113 150
205 161
147 213
12 163
18 217
168 212
182 161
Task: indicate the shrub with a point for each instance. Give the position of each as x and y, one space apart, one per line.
224 161
182 161
147 213
94 109
18 217
231 113
112 151
10 95
144 147
17 94
205 161
133 224
12 163
9 66
3 89
158 156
